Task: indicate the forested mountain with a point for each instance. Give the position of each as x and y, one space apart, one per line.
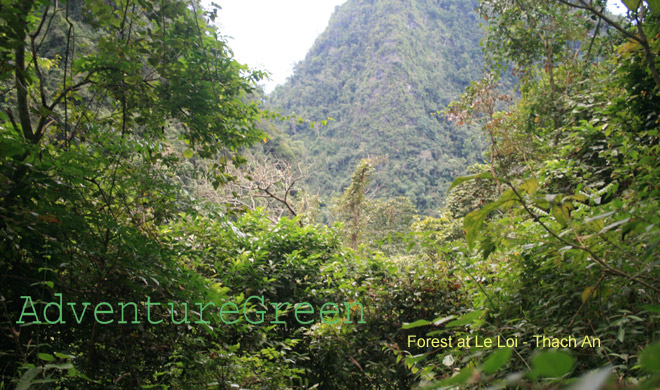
152 235
381 71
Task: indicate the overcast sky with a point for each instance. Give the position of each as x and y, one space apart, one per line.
273 35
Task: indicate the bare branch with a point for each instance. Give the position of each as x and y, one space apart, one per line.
268 183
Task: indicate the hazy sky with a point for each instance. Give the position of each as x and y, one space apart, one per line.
273 35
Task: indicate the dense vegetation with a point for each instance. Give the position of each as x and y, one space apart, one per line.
137 165
380 71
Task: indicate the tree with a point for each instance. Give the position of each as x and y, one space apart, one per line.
262 182
526 33
571 241
90 93
129 71
351 204
481 102
638 13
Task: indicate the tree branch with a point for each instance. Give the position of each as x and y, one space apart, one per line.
582 247
641 38
22 100
604 17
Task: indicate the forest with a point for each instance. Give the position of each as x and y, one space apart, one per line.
446 194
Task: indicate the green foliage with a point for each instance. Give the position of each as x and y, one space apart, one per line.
372 224
351 204
387 225
110 109
527 33
382 70
496 360
561 247
551 364
87 182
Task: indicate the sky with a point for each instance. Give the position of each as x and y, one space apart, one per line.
273 35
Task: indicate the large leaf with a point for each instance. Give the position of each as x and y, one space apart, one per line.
652 308
588 293
558 213
462 377
551 364
654 5
496 360
410 361
650 358
46 357
530 185
27 378
473 221
632 4
415 324
463 179
466 318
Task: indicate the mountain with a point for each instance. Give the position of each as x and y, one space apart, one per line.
381 70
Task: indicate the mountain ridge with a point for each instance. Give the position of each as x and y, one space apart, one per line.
381 70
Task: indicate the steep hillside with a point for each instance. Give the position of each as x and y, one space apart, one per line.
381 70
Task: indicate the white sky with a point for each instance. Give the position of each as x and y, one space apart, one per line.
273 35
616 7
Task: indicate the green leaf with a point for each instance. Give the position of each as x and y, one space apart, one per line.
461 378
463 179
496 360
415 324
562 213
601 216
530 185
188 153
61 366
654 5
627 228
410 361
613 225
621 335
473 221
134 79
632 4
652 308
46 357
588 293
466 319
487 247
442 320
551 364
26 380
559 215
506 200
650 358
